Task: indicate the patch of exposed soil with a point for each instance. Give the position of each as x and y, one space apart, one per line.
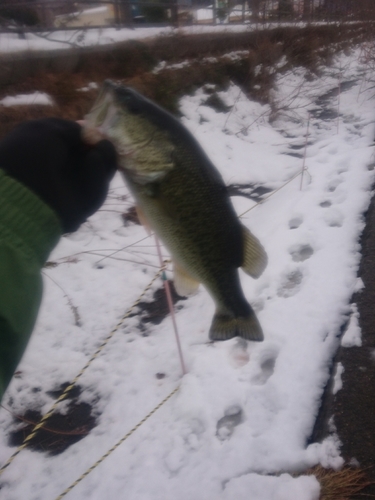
130 217
78 419
251 191
61 430
157 309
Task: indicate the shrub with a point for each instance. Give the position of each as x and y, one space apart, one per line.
24 16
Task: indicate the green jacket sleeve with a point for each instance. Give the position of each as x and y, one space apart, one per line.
29 230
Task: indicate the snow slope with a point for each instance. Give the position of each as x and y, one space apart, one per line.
239 424
65 39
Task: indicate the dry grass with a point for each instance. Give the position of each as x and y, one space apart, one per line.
131 63
342 484
69 102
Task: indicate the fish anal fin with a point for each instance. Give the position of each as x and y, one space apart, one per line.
225 327
254 256
142 219
184 284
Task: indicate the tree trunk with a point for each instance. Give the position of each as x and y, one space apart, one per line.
255 7
307 10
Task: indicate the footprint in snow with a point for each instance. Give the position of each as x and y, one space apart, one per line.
332 185
325 204
189 438
238 354
266 361
334 217
295 222
301 252
343 166
290 283
233 416
192 433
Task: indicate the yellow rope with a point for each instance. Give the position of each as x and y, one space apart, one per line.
98 462
70 386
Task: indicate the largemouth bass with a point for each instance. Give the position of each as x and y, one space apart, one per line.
181 196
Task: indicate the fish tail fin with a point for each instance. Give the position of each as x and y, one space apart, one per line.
225 327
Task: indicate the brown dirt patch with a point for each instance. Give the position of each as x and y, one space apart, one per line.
61 430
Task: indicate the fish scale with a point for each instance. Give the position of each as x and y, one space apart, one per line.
185 209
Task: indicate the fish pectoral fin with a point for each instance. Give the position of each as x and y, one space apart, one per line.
143 220
184 284
254 256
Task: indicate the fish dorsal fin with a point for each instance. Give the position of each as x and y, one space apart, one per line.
254 256
184 284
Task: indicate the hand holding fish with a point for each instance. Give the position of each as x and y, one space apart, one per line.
67 173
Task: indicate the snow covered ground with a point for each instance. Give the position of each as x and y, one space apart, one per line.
60 40
238 426
65 39
33 98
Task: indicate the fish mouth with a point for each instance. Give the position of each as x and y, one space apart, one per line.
103 119
111 117
104 113
109 121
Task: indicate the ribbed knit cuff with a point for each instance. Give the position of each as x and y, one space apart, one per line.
26 221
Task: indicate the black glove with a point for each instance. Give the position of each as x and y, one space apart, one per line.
49 157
